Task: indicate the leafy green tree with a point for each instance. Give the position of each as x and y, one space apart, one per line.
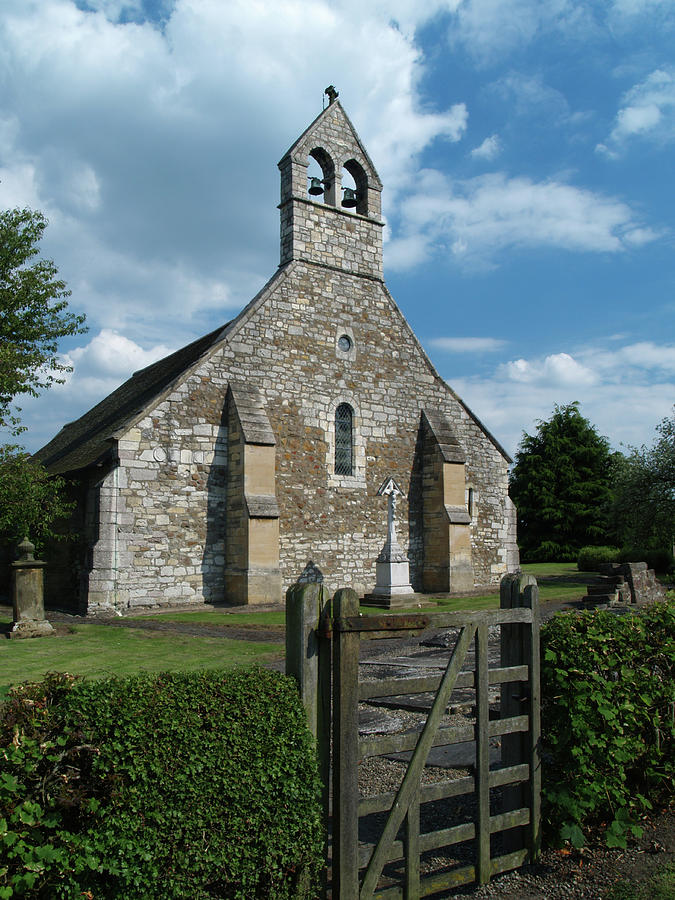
34 313
561 485
34 316
643 509
31 501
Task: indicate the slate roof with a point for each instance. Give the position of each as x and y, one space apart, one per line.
88 439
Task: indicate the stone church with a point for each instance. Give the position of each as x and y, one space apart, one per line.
251 458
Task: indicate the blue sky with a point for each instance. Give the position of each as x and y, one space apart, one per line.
526 150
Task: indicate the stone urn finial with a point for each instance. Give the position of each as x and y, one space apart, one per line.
26 550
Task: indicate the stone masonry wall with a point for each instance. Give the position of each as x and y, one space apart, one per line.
170 494
318 233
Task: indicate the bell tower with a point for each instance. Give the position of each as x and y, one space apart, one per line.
322 221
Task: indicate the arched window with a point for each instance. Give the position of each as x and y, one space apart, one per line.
344 440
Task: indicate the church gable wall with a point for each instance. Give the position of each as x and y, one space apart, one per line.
173 463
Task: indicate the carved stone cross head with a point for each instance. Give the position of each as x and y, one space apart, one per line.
389 486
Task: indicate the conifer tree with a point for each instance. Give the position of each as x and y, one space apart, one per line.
561 485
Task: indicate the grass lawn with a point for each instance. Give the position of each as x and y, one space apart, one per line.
99 651
542 570
557 582
660 886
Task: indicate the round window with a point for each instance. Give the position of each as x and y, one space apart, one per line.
345 343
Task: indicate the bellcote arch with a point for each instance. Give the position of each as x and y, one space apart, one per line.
360 177
328 179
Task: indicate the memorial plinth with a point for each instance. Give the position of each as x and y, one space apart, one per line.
28 595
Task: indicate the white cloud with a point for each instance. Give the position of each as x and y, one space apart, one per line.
530 93
110 354
629 9
624 414
492 29
648 111
477 219
624 393
467 344
632 363
489 149
99 366
152 149
151 146
559 369
638 237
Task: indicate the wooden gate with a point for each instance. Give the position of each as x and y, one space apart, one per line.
503 830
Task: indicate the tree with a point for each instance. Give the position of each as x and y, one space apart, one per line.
33 313
561 485
643 509
31 500
34 316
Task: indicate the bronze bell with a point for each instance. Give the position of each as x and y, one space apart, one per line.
315 187
349 200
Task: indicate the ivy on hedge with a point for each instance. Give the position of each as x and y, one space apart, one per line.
608 735
199 785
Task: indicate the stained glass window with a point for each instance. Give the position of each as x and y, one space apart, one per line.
344 450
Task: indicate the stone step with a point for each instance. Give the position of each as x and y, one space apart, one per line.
596 599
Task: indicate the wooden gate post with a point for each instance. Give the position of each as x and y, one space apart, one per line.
345 749
308 660
520 646
304 604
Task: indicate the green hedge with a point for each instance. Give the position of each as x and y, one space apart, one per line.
180 785
591 558
608 737
658 558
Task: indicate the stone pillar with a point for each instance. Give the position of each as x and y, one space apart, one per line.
28 594
512 551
